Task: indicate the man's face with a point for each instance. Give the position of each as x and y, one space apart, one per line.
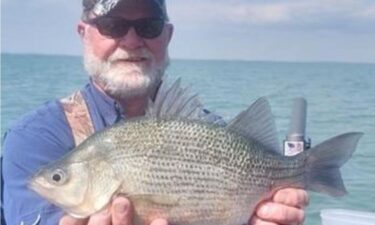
129 66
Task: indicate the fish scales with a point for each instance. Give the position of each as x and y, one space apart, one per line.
215 166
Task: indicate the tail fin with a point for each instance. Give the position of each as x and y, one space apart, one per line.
324 162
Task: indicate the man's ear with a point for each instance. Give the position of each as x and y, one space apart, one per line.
81 29
169 31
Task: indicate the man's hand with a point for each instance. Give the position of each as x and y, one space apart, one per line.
120 213
285 207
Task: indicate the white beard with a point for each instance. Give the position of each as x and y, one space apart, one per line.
123 80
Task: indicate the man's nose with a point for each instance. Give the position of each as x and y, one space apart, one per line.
131 40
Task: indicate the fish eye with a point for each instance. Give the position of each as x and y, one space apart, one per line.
58 176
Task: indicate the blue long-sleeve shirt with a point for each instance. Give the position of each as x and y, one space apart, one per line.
37 139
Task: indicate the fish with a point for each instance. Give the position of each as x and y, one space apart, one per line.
180 164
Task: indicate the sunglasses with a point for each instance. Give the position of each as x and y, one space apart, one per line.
117 27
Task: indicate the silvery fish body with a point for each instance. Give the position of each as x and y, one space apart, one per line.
173 164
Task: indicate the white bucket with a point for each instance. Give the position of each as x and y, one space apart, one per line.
346 217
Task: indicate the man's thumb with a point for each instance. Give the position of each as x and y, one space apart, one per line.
122 212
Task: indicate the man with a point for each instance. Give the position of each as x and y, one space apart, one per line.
125 53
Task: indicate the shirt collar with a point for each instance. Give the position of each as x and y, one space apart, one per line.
108 108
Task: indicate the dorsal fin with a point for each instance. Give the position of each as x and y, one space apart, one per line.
175 102
257 123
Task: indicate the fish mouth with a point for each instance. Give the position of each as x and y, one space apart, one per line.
36 184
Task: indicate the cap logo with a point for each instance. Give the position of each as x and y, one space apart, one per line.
104 6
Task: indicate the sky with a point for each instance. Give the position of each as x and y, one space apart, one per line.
289 30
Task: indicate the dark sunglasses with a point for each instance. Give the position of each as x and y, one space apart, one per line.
117 27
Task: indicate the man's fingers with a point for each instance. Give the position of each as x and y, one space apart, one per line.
257 221
292 197
159 222
100 218
279 213
68 220
121 211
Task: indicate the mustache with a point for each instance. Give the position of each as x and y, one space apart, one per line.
121 54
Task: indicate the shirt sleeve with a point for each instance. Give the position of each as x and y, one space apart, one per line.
25 150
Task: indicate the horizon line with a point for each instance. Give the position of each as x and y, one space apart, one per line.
209 59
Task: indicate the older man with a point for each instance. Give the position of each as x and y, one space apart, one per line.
125 54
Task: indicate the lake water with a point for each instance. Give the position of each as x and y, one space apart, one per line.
340 96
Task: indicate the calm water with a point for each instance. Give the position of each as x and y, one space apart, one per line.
341 98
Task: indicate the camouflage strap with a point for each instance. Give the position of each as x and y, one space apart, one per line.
78 116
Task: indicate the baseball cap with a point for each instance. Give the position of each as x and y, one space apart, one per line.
98 8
